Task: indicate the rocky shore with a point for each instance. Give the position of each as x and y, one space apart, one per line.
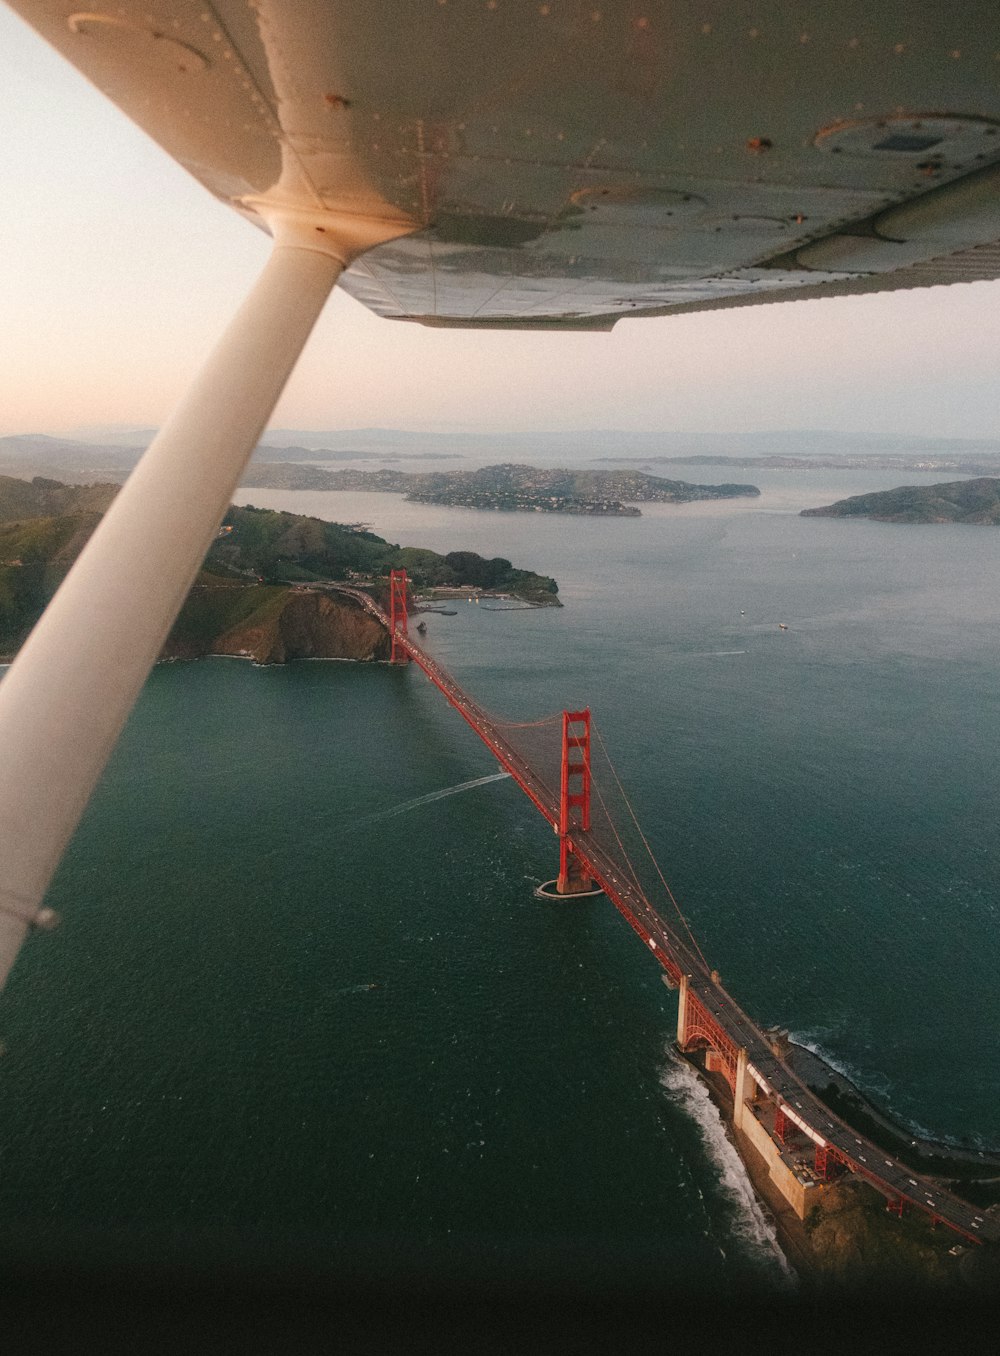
278 625
849 1241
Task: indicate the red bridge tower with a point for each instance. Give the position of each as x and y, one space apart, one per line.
397 615
574 799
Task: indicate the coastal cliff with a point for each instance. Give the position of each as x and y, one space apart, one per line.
278 624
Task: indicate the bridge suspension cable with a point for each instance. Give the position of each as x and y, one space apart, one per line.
622 848
527 724
649 850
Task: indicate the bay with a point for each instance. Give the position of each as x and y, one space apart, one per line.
201 1049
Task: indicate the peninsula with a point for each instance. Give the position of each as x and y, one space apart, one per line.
976 502
261 591
508 486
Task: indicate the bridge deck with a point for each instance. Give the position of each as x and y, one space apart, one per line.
730 1026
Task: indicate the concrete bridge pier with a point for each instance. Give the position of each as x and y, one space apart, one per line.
682 1012
572 880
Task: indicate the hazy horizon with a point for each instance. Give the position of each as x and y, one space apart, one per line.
130 435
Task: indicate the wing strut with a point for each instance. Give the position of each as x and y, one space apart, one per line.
65 699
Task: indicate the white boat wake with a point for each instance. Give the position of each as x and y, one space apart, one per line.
414 804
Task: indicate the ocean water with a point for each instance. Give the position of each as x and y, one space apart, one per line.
303 995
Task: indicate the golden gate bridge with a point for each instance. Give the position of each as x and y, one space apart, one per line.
772 1106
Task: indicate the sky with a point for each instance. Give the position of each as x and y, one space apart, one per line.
119 272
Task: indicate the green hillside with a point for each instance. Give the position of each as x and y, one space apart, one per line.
244 584
41 498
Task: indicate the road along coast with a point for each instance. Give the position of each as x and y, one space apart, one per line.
847 1238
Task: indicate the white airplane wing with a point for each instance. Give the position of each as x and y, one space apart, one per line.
564 164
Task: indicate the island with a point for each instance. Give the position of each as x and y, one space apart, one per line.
264 591
975 502
509 487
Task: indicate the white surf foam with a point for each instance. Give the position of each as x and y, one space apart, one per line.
753 1228
879 1088
866 1082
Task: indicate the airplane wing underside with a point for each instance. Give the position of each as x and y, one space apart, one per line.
565 164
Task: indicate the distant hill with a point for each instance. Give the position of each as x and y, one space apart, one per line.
32 454
983 464
43 498
975 502
508 485
597 443
260 590
109 453
514 485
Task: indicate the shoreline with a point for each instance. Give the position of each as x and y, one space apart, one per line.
791 1233
849 1239
808 1063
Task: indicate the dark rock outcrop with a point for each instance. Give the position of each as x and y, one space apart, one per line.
308 625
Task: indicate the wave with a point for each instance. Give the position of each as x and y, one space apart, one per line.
417 801
752 1226
877 1085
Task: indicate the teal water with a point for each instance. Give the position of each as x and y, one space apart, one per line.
198 1050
